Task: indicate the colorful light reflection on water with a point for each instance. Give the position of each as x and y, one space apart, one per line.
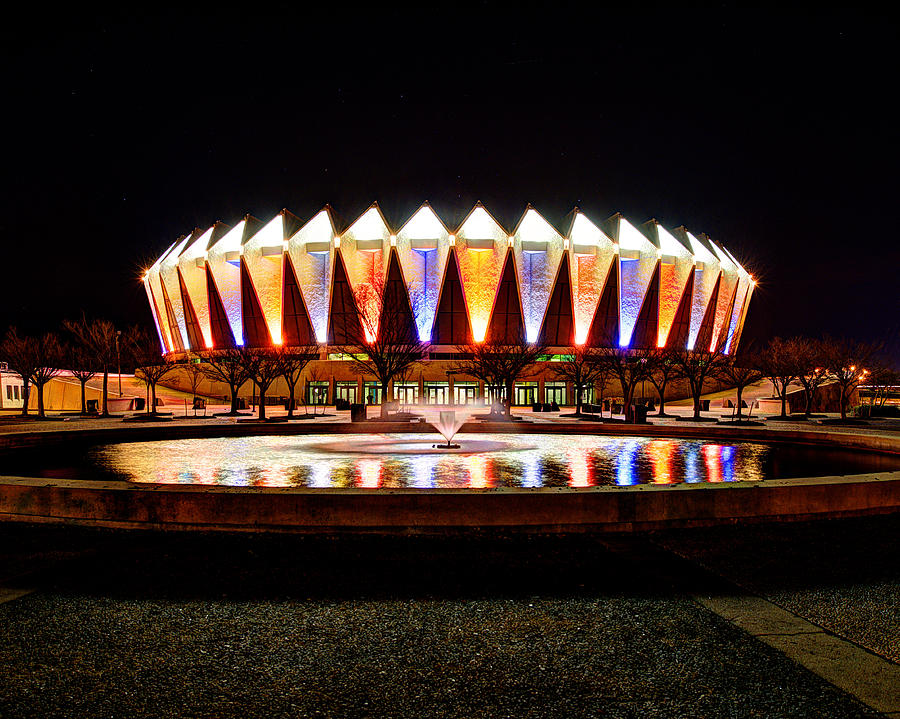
526 461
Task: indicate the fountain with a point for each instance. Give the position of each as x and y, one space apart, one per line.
448 425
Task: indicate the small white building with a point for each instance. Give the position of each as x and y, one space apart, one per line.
12 388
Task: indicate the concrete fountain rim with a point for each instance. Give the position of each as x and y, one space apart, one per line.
445 511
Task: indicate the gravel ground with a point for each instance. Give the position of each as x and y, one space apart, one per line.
842 575
146 626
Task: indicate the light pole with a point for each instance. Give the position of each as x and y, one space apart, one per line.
119 361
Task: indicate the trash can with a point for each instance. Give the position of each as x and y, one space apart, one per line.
704 405
357 413
640 413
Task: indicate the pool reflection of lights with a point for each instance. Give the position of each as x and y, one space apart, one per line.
579 461
370 473
578 468
478 471
625 462
660 452
712 458
531 471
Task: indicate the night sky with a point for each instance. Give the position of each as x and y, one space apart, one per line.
773 131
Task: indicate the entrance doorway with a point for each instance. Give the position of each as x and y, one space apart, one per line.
345 391
372 393
555 392
525 393
406 392
465 392
437 392
316 392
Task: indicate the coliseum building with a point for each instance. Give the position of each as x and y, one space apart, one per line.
292 282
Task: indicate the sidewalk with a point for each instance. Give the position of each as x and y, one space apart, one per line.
166 625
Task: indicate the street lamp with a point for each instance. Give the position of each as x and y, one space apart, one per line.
119 361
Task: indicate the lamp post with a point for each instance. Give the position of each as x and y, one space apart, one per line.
118 361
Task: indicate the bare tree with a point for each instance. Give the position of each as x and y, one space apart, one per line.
882 380
697 366
391 346
194 373
630 367
98 337
740 373
604 375
664 370
499 363
846 361
581 368
49 359
781 363
81 364
149 364
227 366
314 375
263 368
811 370
291 363
37 360
21 355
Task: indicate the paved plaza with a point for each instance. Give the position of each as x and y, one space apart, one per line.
142 624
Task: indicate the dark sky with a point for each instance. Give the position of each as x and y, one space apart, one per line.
773 131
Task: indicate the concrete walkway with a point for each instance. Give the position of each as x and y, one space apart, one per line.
168 625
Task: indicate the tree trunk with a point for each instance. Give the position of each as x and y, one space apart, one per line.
739 392
40 391
83 399
384 393
784 402
234 399
291 387
262 402
105 392
843 407
578 388
696 391
629 411
509 398
662 397
26 393
152 397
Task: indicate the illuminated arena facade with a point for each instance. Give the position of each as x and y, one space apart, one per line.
287 281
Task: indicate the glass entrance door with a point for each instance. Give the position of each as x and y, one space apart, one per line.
406 393
372 392
526 394
465 392
555 392
317 392
345 391
437 392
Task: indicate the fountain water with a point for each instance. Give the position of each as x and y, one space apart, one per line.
448 424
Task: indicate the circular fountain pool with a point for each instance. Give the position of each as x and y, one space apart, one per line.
483 461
